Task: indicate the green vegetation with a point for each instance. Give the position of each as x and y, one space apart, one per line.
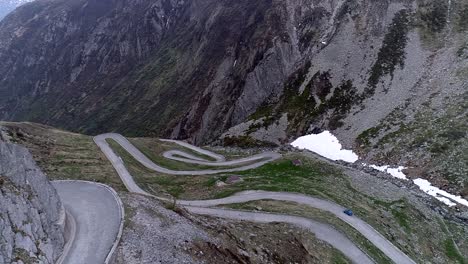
364 139
394 119
302 107
402 219
64 155
245 142
443 136
399 219
342 100
433 15
418 233
462 17
392 52
431 19
154 149
320 216
339 260
452 252
299 106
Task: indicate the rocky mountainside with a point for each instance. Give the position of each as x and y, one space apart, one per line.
6 6
389 77
31 225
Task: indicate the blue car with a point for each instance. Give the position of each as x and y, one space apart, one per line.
348 212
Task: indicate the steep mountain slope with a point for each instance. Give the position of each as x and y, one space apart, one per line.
30 210
135 66
392 85
6 6
377 73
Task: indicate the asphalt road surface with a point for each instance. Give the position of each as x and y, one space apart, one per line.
260 159
97 217
322 231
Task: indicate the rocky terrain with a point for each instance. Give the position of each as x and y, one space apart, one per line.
415 222
31 214
156 234
387 77
6 6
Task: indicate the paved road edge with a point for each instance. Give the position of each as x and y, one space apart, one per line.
131 185
69 234
110 256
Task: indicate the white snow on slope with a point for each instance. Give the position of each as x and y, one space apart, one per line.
395 172
327 145
439 194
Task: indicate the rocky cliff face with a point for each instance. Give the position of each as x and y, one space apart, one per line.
6 6
30 210
389 78
375 72
142 67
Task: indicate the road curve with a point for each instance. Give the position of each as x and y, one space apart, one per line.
322 231
362 227
97 217
200 206
205 152
260 159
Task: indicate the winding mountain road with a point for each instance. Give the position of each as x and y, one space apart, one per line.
322 231
259 160
95 216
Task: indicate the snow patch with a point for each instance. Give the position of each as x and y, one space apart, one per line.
443 196
424 185
327 145
395 172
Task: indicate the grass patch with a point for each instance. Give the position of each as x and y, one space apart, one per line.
402 219
452 252
154 149
415 233
63 155
320 216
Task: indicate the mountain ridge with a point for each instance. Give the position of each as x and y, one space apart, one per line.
376 74
6 6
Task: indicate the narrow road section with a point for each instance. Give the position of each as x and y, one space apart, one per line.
97 214
322 231
327 233
260 159
365 229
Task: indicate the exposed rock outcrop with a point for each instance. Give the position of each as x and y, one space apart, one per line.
31 214
6 6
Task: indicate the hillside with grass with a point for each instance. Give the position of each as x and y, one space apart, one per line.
421 227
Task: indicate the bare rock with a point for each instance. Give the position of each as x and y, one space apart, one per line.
30 210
